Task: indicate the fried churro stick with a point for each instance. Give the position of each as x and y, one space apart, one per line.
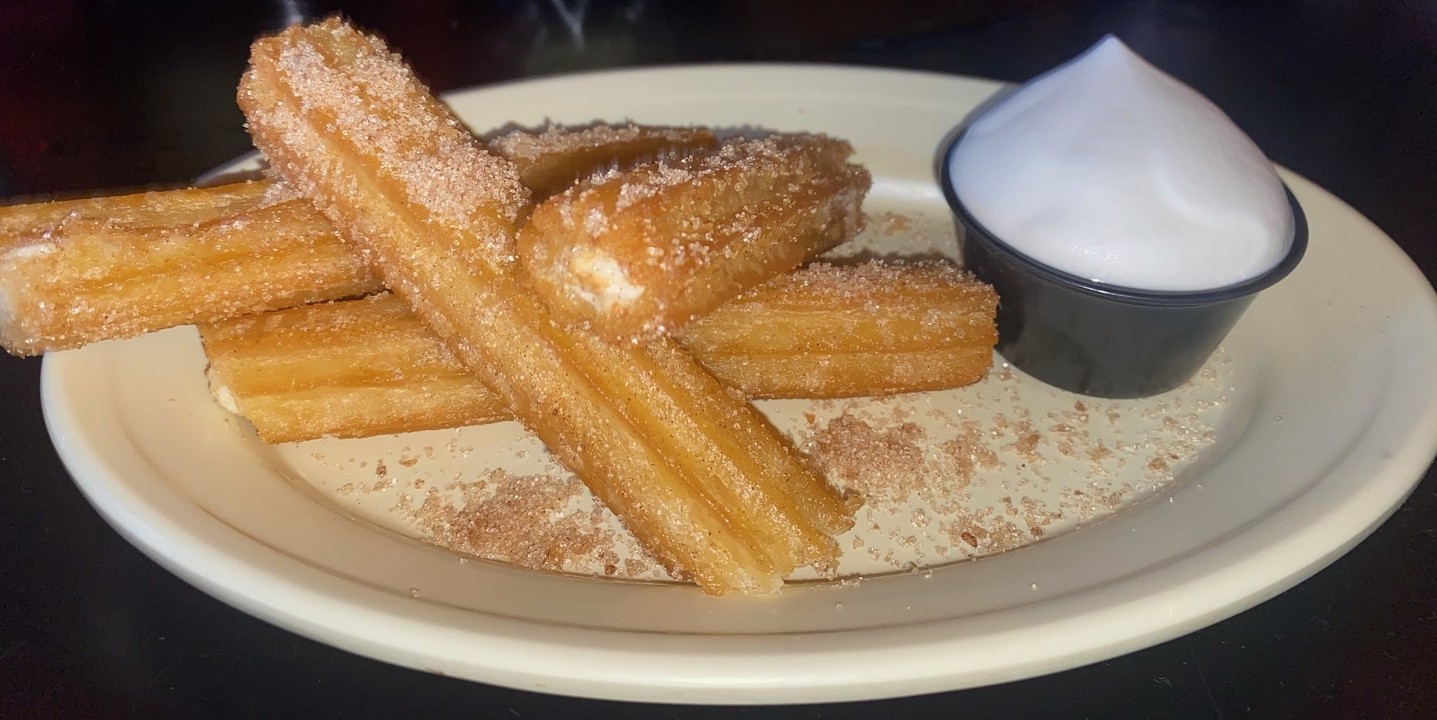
643 252
369 367
163 209
707 487
846 331
353 368
80 271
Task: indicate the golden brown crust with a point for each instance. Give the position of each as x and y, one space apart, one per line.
344 369
155 209
80 271
641 252
842 331
821 332
710 490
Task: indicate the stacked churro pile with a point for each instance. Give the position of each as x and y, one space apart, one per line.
621 291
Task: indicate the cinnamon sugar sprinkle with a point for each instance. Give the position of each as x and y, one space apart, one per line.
1002 464
534 521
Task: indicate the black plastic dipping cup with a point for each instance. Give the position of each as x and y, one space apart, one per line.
1099 339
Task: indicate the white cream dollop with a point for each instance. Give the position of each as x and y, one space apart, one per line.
1109 169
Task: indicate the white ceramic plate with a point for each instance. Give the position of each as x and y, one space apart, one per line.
1330 418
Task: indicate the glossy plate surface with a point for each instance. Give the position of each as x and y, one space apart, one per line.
1328 417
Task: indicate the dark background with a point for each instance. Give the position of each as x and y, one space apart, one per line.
109 95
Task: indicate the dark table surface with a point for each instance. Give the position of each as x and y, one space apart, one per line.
106 95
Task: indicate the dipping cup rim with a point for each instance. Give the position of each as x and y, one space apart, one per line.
1119 293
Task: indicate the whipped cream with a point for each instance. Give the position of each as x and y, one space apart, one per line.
1111 170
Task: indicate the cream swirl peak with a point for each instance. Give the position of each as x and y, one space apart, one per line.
1111 170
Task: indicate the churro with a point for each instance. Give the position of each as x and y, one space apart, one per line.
708 487
352 368
369 367
154 209
845 331
77 272
80 271
638 253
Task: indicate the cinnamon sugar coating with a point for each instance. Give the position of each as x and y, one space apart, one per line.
80 271
369 367
77 272
643 251
708 487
